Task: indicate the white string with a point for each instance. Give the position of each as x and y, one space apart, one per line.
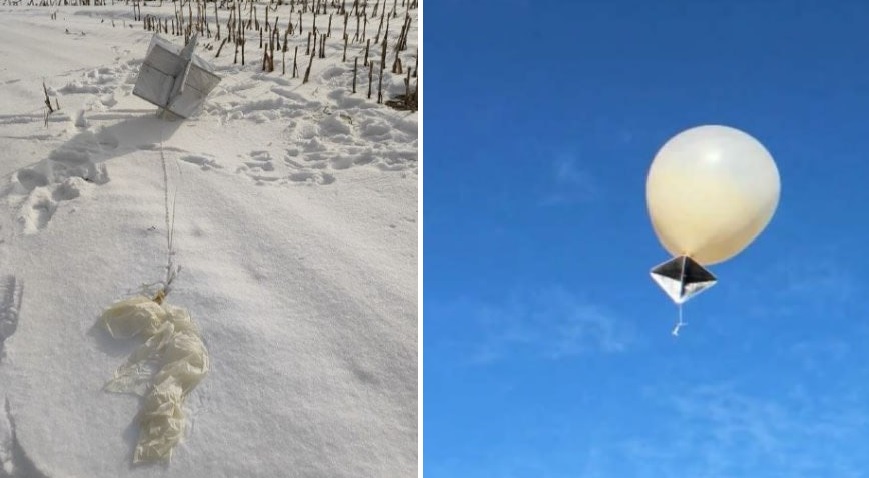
679 324
171 269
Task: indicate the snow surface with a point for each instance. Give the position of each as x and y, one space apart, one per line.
296 232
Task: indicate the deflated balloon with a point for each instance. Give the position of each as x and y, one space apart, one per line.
171 362
711 190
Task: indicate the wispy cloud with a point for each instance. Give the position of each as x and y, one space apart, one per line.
546 323
626 136
720 430
815 356
819 281
569 183
815 285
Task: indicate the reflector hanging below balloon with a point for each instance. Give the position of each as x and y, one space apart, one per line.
683 278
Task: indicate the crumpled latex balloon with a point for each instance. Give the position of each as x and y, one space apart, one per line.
711 190
171 362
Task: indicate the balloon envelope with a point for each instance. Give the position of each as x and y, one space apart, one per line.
711 190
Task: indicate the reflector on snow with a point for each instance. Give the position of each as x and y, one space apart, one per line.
173 78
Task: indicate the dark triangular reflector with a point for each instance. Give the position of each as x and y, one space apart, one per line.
682 278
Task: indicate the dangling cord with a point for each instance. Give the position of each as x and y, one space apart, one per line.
679 324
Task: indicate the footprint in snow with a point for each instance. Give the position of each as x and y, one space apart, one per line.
312 177
64 175
258 166
260 161
11 291
205 162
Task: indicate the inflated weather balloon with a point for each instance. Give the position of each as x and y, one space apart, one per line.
711 190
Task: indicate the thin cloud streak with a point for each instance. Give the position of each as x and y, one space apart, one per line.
569 183
548 323
719 430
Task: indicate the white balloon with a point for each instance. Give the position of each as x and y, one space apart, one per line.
711 190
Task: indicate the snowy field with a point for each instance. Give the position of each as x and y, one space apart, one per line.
295 230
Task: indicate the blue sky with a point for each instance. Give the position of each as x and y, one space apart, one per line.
547 347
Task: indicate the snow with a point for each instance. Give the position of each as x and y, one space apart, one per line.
296 231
